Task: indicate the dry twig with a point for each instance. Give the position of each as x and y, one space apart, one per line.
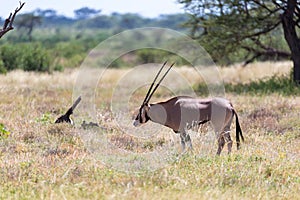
8 24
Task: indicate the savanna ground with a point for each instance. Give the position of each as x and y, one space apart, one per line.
43 160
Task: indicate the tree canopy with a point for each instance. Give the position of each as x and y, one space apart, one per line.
229 28
85 12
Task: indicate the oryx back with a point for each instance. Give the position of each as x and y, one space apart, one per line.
180 112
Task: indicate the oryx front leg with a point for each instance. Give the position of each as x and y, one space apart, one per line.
185 139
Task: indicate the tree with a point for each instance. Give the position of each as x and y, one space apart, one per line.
28 21
8 23
130 21
173 21
46 13
85 12
231 27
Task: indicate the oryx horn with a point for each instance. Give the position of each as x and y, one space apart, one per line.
154 82
162 78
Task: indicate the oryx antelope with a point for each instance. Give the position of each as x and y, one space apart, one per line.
181 112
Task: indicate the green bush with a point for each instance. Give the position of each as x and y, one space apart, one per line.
69 54
69 49
10 55
2 67
27 56
35 58
3 132
58 67
275 84
149 55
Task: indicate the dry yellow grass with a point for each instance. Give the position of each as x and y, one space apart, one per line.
242 74
42 160
255 71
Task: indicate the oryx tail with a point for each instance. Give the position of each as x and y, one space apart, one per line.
238 130
150 91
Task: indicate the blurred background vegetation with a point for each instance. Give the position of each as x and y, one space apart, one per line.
46 42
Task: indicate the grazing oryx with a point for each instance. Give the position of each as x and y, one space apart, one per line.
66 117
181 112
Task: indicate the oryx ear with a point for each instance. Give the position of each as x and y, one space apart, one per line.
147 107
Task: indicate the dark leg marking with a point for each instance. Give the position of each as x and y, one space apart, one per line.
221 143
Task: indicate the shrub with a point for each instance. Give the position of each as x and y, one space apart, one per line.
3 132
58 67
27 56
2 67
10 55
275 84
35 58
69 49
151 55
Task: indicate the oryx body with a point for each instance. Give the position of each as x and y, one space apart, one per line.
182 112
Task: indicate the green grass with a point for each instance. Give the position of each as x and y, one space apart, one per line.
43 160
275 84
282 85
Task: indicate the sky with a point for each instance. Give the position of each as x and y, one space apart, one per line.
146 8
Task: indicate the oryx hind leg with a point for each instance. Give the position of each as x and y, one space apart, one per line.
224 133
222 140
228 140
185 139
221 143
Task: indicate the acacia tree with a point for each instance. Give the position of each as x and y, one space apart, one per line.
8 23
85 12
230 26
28 21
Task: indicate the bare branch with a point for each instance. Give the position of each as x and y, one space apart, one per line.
250 60
266 30
267 51
262 5
8 24
298 23
281 6
297 13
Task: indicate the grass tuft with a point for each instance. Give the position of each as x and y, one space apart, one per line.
4 133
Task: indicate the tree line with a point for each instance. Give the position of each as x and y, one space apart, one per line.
91 18
46 41
231 31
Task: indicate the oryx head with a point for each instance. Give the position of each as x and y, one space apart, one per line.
142 116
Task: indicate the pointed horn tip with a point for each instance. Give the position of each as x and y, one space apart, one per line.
78 98
162 78
152 84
